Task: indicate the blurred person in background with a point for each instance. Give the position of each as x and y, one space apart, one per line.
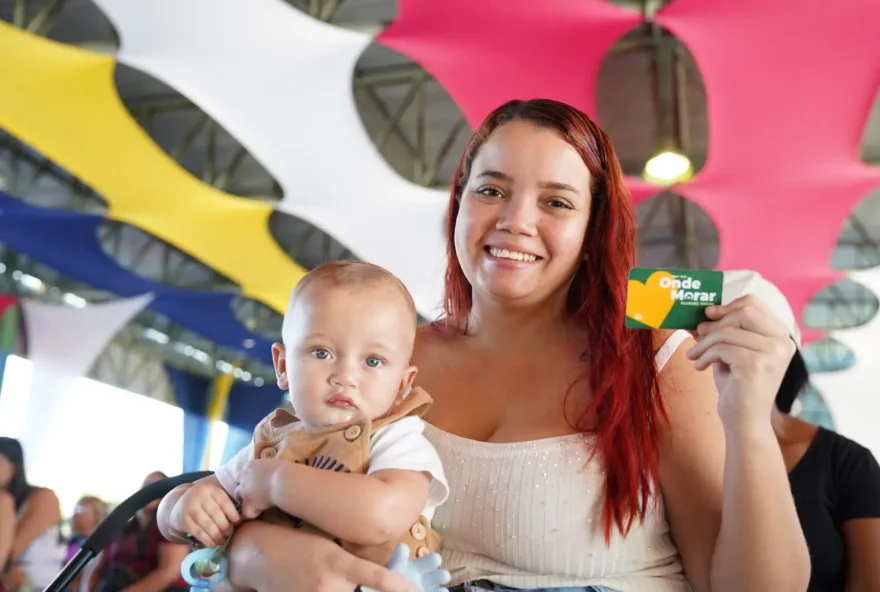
7 530
139 559
89 512
37 549
835 481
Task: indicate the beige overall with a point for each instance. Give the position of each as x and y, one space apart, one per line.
345 448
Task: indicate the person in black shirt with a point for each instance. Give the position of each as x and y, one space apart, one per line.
835 481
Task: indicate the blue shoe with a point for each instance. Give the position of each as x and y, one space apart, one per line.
425 572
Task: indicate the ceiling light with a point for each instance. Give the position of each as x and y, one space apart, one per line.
668 167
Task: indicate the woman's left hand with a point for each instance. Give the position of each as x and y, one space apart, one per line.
749 350
14 578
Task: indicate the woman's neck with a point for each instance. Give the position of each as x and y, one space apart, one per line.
791 429
517 329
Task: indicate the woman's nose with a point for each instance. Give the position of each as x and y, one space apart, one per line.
518 217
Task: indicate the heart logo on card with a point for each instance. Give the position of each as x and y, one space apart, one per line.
649 303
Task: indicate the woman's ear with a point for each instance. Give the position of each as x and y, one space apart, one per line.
279 360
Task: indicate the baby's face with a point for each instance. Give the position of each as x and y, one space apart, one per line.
347 354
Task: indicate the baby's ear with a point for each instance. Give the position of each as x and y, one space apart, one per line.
406 382
279 360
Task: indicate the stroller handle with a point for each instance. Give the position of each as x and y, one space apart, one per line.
113 524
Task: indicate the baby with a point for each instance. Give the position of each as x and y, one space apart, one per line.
353 463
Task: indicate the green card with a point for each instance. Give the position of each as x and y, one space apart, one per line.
671 298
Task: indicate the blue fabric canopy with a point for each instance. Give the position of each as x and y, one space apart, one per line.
67 241
246 406
192 396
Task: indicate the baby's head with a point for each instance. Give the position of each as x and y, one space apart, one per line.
347 342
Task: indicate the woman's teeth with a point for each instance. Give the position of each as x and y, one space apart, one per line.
505 254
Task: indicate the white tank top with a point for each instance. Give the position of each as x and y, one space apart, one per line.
43 558
528 515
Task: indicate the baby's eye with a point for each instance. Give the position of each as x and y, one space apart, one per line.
374 362
321 354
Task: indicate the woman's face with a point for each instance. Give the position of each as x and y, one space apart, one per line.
7 472
84 519
153 478
520 228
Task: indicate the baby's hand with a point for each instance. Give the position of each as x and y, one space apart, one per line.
255 485
206 512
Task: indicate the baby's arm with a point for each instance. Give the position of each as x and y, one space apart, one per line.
203 510
206 501
405 477
363 509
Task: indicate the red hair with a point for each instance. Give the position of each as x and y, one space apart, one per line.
622 374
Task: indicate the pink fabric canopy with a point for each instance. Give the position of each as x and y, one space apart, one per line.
6 300
789 86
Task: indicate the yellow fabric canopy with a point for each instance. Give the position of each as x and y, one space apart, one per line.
62 101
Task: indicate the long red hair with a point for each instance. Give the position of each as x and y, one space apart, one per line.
622 374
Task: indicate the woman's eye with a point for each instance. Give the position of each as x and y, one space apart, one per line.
374 362
488 192
558 203
321 354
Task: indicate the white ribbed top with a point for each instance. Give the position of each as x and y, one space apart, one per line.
43 558
528 515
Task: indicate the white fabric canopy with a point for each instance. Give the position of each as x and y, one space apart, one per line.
63 343
853 395
281 83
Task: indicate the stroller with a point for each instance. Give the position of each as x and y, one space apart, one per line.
426 571
113 524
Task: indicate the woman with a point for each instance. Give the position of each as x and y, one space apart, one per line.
835 481
87 515
7 530
37 550
532 372
140 559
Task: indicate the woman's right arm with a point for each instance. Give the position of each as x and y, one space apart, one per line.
97 572
41 511
269 558
7 527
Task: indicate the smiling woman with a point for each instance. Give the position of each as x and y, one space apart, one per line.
499 214
587 456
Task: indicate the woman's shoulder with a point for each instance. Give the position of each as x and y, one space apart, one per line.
431 340
435 331
43 497
662 337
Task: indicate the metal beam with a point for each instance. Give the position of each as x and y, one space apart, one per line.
19 156
21 275
827 355
46 17
151 258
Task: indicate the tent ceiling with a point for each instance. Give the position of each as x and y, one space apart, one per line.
674 231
